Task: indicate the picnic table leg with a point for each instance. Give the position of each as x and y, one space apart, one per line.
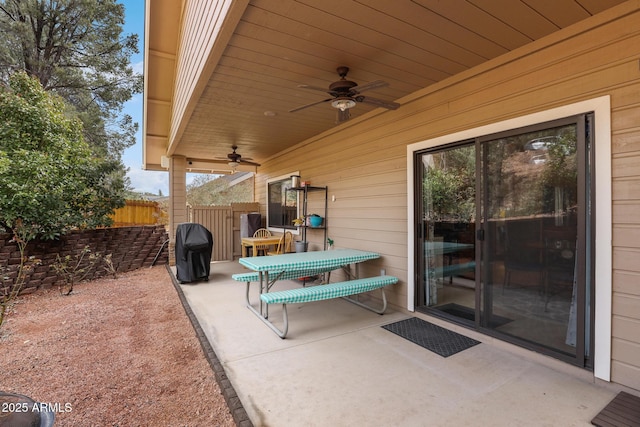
285 321
247 295
281 333
266 289
368 307
261 275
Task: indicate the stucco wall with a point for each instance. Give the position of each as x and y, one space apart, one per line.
363 162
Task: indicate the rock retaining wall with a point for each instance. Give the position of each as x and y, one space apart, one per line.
130 248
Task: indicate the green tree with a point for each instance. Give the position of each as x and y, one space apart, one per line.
76 49
50 181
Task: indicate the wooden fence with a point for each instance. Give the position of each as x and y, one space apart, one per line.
224 224
139 212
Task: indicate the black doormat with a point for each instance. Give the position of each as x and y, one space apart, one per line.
469 314
432 337
623 410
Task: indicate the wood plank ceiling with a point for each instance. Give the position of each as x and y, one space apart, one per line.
410 44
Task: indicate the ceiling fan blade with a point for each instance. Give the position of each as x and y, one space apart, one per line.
246 162
389 105
369 86
321 89
342 116
310 105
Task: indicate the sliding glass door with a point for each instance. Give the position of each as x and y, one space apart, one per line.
504 236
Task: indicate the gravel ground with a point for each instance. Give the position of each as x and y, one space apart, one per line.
116 352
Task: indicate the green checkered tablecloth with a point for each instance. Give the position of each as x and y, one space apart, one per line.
307 260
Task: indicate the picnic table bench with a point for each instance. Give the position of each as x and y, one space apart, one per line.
324 292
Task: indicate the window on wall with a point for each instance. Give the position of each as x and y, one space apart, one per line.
282 203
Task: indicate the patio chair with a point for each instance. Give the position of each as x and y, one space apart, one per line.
262 232
284 245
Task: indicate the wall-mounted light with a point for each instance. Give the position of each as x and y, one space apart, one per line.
164 162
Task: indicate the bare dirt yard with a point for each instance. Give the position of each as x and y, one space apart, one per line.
116 352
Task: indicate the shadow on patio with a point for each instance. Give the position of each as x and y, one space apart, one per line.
338 367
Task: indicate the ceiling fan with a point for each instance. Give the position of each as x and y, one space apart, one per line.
345 94
234 159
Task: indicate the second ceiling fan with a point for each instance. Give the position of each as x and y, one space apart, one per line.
235 159
346 93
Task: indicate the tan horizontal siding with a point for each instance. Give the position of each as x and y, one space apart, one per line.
627 306
625 163
625 348
364 163
628 329
628 372
626 282
625 259
626 189
627 353
626 236
626 212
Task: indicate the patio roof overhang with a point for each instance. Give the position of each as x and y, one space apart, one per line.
237 86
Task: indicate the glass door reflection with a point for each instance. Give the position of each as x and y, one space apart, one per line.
530 210
448 213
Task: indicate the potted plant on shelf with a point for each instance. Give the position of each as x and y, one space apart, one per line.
330 243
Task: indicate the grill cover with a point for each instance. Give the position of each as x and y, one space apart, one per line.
194 244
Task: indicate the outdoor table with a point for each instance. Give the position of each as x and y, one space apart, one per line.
302 262
258 241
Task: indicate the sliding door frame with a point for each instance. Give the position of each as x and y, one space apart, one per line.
603 218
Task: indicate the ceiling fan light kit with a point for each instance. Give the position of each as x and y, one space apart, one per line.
343 103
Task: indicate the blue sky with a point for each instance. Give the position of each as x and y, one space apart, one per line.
141 180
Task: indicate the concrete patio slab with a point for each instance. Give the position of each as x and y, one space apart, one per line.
338 367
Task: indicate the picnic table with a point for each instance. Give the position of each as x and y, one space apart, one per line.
267 270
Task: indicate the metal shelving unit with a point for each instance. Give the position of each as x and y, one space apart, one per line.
305 198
